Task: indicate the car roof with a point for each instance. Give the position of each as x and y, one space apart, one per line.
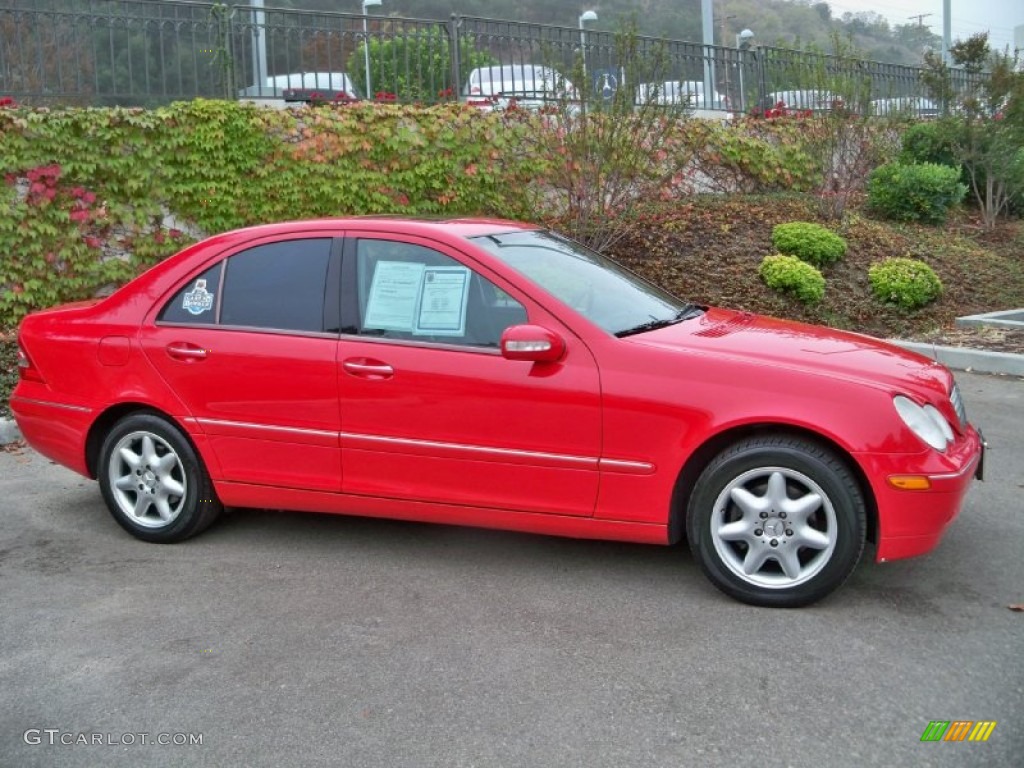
515 73
458 226
160 276
310 80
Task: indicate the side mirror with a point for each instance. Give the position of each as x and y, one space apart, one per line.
532 343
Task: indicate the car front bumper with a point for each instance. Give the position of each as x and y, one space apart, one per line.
911 522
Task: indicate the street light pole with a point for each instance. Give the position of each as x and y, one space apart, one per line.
259 50
585 16
742 46
366 45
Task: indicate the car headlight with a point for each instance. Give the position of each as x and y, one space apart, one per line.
926 422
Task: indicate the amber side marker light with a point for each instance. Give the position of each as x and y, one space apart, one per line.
910 482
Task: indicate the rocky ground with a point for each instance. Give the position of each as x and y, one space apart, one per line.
709 250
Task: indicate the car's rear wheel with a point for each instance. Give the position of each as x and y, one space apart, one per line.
777 521
154 484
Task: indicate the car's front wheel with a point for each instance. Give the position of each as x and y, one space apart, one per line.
154 484
777 521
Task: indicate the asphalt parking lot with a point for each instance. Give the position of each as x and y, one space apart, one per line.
282 639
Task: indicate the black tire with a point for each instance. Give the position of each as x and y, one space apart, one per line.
776 521
154 484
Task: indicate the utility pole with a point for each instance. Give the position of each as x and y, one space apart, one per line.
920 18
947 35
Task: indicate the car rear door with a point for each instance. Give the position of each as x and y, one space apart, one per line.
249 346
432 412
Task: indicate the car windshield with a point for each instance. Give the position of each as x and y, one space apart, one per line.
604 292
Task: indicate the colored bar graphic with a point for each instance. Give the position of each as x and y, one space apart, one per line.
982 730
958 730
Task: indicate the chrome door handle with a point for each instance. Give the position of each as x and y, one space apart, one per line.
181 350
368 370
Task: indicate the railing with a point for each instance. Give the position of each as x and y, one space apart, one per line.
148 52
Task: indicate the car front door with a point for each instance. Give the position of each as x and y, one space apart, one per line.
432 412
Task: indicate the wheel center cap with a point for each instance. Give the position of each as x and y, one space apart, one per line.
774 527
149 478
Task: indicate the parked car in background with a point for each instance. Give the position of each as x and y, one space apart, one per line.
688 93
492 373
528 86
909 106
304 86
813 100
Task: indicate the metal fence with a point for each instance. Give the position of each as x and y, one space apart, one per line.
148 52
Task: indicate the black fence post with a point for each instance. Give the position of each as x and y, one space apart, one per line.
456 58
762 84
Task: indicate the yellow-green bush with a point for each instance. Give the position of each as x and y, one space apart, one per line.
813 243
791 275
907 283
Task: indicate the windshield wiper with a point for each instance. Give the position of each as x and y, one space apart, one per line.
688 311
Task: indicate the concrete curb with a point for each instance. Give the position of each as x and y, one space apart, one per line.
965 359
9 432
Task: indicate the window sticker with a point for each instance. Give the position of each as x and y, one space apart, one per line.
198 300
394 294
442 304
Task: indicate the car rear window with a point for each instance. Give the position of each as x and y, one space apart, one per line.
276 286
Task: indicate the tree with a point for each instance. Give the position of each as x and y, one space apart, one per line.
844 139
986 128
611 154
415 64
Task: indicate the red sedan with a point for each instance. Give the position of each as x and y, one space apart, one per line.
489 373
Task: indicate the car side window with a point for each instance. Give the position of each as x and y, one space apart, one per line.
407 291
279 286
196 303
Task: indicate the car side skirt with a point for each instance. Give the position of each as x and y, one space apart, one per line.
265 497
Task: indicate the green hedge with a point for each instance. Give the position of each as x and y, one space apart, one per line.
92 196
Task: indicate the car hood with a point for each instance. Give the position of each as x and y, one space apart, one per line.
812 349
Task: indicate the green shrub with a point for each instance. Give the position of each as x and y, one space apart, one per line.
907 283
752 156
812 243
791 275
923 192
929 143
74 221
414 67
8 371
